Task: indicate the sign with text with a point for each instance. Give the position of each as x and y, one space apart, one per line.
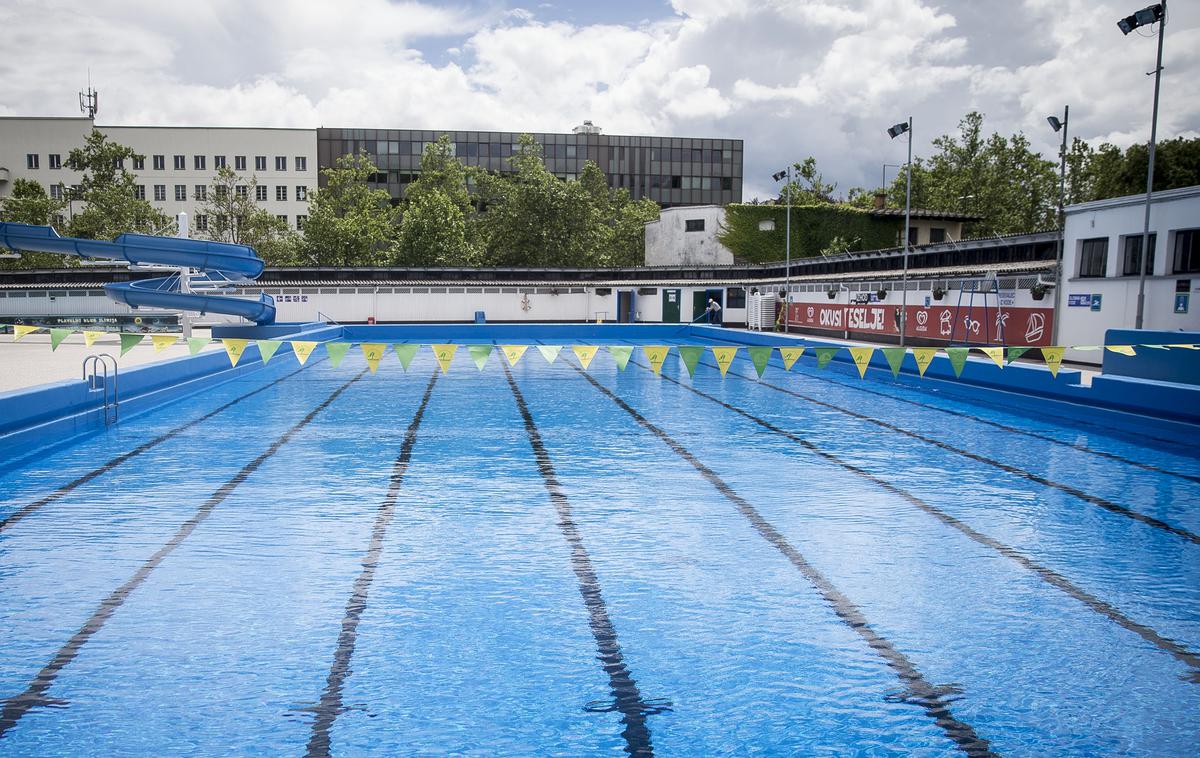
950 323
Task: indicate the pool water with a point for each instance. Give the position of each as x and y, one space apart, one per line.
539 561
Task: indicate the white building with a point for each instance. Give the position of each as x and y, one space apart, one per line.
1101 251
687 236
180 162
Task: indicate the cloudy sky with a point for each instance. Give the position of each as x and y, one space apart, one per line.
791 77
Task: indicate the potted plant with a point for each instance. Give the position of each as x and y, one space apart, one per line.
939 293
1038 291
832 293
881 294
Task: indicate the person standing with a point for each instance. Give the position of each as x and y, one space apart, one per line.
714 309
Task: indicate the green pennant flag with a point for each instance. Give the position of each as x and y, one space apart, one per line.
1014 353
895 358
691 356
337 351
759 356
57 336
620 354
825 355
267 348
958 358
479 354
405 352
129 340
196 344
549 352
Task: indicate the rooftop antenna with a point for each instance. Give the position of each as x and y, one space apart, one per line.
89 102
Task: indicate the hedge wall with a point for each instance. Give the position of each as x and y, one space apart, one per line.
813 226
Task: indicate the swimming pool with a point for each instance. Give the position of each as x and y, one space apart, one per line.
536 560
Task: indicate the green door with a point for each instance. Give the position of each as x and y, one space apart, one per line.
670 306
699 306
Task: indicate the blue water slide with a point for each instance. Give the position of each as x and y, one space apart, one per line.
222 263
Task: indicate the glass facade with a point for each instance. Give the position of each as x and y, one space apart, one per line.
672 171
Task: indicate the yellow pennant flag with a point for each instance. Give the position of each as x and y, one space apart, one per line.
1122 349
21 331
724 356
444 355
585 353
513 352
162 341
373 352
790 355
235 348
995 353
1053 357
862 358
90 337
656 354
302 349
923 356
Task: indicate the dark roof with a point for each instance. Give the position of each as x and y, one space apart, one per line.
923 213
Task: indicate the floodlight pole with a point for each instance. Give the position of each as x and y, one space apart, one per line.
1062 226
907 213
1145 256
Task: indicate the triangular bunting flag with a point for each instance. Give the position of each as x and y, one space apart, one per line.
958 358
995 353
1087 348
1122 349
163 341
513 352
923 356
1185 347
89 338
895 358
724 356
1156 347
405 352
444 355
479 354
302 349
585 353
825 355
759 356
235 348
549 352
57 336
862 358
656 354
196 344
1015 353
790 355
620 354
20 331
267 348
690 355
1053 357
337 351
373 352
129 340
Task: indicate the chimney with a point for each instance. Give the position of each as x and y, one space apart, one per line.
880 199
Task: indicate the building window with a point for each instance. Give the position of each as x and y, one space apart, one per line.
202 192
139 163
281 192
1093 257
201 223
56 191
301 192
181 192
300 221
139 191
59 220
301 163
218 161
180 162
766 225
676 182
1132 254
280 163
31 160
54 160
260 192
1187 251
727 183
221 191
260 163
243 191
735 297
199 162
160 192
239 163
936 234
160 162
694 225
282 218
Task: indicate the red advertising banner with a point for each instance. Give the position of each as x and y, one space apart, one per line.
948 323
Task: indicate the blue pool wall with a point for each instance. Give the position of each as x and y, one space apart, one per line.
1180 366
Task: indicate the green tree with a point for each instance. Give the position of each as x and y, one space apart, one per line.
28 203
349 224
808 186
234 216
108 190
434 230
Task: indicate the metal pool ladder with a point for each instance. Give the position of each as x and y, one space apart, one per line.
98 381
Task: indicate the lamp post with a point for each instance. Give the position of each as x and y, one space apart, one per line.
1057 125
894 132
787 266
1144 17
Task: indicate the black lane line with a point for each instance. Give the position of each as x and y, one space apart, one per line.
1015 430
1096 500
330 705
1049 575
918 689
628 698
36 505
35 694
